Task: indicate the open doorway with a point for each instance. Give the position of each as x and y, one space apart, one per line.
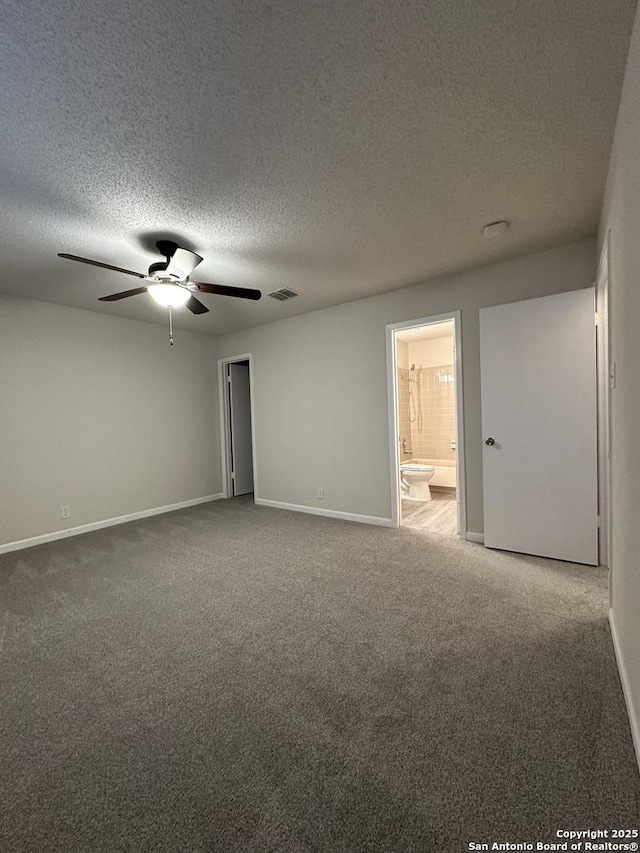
236 410
426 427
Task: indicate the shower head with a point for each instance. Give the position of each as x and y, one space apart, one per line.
413 367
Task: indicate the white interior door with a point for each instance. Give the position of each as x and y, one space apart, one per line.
538 365
240 424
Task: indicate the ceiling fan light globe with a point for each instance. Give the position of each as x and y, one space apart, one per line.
169 295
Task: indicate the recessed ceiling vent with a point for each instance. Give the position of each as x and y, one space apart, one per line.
284 295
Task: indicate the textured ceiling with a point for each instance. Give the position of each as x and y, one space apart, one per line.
338 148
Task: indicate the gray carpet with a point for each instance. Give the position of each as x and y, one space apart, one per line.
236 678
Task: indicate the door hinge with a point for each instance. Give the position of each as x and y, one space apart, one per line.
233 475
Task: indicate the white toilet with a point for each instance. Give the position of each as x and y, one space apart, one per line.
414 480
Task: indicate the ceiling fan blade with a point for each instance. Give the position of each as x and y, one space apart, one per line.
224 290
195 306
115 296
183 263
99 264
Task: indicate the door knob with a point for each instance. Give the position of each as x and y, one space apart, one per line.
490 441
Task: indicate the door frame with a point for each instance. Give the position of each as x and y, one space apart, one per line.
225 424
605 372
392 405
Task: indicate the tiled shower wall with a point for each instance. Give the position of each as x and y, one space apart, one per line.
404 427
434 428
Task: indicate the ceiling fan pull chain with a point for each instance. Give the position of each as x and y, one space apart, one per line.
170 327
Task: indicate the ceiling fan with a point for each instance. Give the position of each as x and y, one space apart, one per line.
168 281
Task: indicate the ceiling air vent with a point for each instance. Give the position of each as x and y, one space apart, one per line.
284 294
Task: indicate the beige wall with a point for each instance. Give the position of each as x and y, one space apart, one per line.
621 216
432 353
100 414
320 382
402 354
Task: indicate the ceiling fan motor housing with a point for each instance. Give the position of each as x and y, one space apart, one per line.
167 248
158 268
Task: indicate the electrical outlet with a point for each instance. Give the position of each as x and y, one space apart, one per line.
320 493
65 512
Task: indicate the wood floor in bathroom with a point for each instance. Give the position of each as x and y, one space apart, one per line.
439 515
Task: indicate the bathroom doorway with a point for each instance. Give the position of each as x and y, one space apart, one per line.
426 425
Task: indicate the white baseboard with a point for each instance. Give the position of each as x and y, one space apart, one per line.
329 513
475 537
98 525
634 719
